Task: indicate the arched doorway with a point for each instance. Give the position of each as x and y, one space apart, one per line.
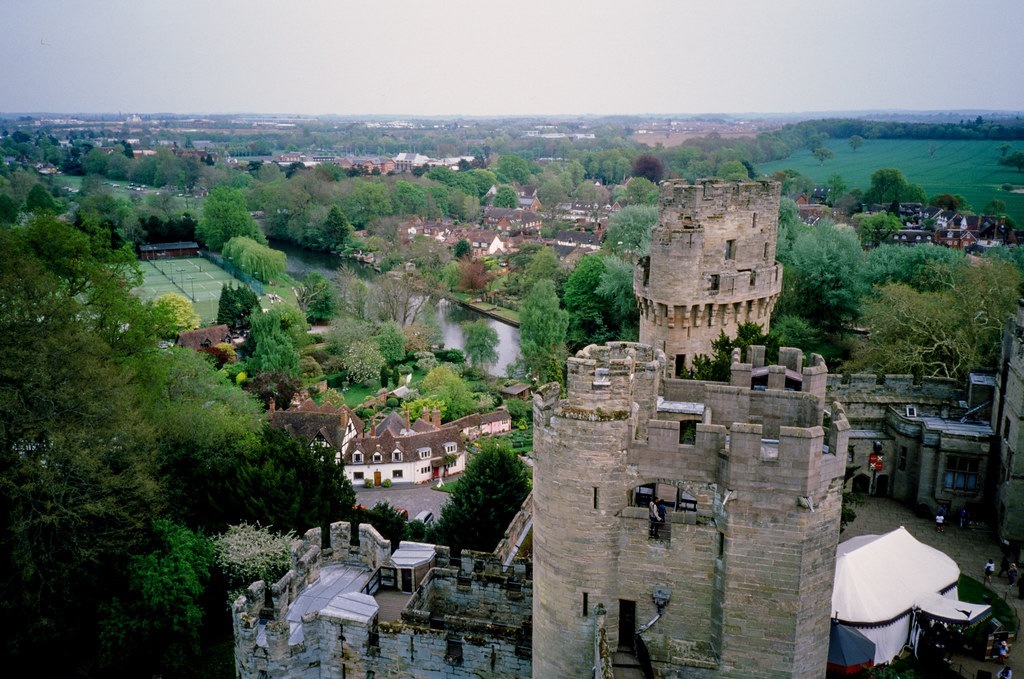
861 483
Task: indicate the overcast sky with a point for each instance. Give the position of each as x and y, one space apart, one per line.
477 57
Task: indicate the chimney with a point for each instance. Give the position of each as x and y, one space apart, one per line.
407 423
272 404
435 416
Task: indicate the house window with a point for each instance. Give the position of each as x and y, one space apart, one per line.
358 476
425 470
450 448
425 454
396 474
714 282
377 457
730 249
357 458
961 473
396 456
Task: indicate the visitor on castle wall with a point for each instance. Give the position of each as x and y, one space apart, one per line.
990 568
652 511
662 511
1012 574
1002 650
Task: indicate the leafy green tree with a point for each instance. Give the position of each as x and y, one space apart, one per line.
910 266
385 518
268 348
491 491
451 390
717 366
543 266
642 191
506 196
179 313
8 209
836 187
856 141
316 297
337 229
733 171
156 624
617 288
514 169
821 154
542 331
589 316
994 207
629 230
827 284
878 228
40 200
1015 159
461 248
888 185
391 341
255 258
235 305
480 343
225 216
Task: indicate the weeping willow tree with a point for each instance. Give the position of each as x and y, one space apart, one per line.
258 260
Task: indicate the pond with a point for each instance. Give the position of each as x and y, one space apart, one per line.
449 314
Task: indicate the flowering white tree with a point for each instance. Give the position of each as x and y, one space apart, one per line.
248 553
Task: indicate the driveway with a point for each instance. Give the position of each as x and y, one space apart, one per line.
412 497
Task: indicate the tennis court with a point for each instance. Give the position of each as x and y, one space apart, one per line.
194 278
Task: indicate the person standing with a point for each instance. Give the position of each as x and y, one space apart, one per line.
1012 574
990 568
652 511
1002 650
939 520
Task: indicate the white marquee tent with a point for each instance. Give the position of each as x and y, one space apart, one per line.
882 579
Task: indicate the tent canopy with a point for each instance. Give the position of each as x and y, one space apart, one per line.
949 610
881 577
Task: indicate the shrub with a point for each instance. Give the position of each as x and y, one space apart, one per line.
386 483
404 370
392 402
248 553
365 413
426 361
368 483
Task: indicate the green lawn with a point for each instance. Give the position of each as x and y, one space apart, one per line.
974 592
969 168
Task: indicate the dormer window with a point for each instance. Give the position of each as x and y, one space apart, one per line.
377 457
357 458
449 448
396 456
424 453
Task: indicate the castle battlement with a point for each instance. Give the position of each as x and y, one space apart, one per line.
711 266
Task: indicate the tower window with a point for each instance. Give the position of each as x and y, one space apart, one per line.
766 250
585 605
714 281
595 507
753 221
680 365
730 249
753 278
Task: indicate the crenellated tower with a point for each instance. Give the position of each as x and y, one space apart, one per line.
712 266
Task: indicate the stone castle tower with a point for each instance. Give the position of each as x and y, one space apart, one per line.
738 581
712 266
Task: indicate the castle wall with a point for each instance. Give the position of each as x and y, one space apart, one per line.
1008 423
712 265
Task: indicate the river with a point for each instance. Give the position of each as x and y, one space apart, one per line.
449 314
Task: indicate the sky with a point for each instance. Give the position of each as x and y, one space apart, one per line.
524 57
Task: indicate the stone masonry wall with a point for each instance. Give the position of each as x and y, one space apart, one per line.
712 265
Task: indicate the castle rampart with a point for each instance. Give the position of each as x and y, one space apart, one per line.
745 558
711 267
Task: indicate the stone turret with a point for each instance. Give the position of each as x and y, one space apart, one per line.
712 266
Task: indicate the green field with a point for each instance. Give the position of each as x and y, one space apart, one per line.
188 277
969 168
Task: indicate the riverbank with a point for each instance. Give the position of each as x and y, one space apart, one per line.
509 316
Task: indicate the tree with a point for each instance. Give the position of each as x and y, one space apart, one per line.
718 366
648 167
543 266
542 331
589 321
946 330
156 624
878 228
395 299
451 390
337 229
391 341
236 304
733 171
856 141
1004 148
514 169
316 297
825 264
617 288
246 553
506 196
386 520
179 313
225 216
948 201
480 342
461 248
490 493
641 191
473 275
821 154
255 258
994 207
888 185
836 188
40 200
362 361
1015 159
629 230
268 348
8 210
